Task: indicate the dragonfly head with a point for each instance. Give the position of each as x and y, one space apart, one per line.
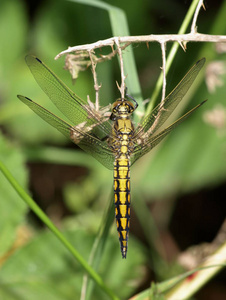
122 109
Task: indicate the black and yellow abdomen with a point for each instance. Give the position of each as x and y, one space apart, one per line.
122 200
121 142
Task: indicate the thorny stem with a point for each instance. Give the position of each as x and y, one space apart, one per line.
163 48
193 26
112 54
160 38
123 86
96 85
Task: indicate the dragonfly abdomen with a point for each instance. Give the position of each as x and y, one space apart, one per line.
122 200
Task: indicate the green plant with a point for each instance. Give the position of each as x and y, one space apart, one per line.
50 270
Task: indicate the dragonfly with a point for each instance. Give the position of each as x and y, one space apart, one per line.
112 139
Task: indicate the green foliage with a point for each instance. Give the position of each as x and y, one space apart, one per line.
44 268
191 158
12 209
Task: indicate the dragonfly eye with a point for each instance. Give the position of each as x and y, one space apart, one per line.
130 106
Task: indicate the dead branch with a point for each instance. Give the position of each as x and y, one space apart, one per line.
162 38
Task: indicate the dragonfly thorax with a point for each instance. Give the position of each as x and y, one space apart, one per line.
122 109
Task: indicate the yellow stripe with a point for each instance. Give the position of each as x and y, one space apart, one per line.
123 184
123 223
123 209
124 233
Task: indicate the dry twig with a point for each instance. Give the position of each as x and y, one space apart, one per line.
161 38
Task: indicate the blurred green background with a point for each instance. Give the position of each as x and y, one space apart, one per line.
178 190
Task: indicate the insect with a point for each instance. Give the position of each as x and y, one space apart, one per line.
114 141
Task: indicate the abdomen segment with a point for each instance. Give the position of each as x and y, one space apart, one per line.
122 200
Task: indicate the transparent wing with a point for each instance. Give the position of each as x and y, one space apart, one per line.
73 107
86 141
162 111
148 144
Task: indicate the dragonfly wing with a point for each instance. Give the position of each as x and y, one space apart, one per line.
162 111
73 107
89 143
148 144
